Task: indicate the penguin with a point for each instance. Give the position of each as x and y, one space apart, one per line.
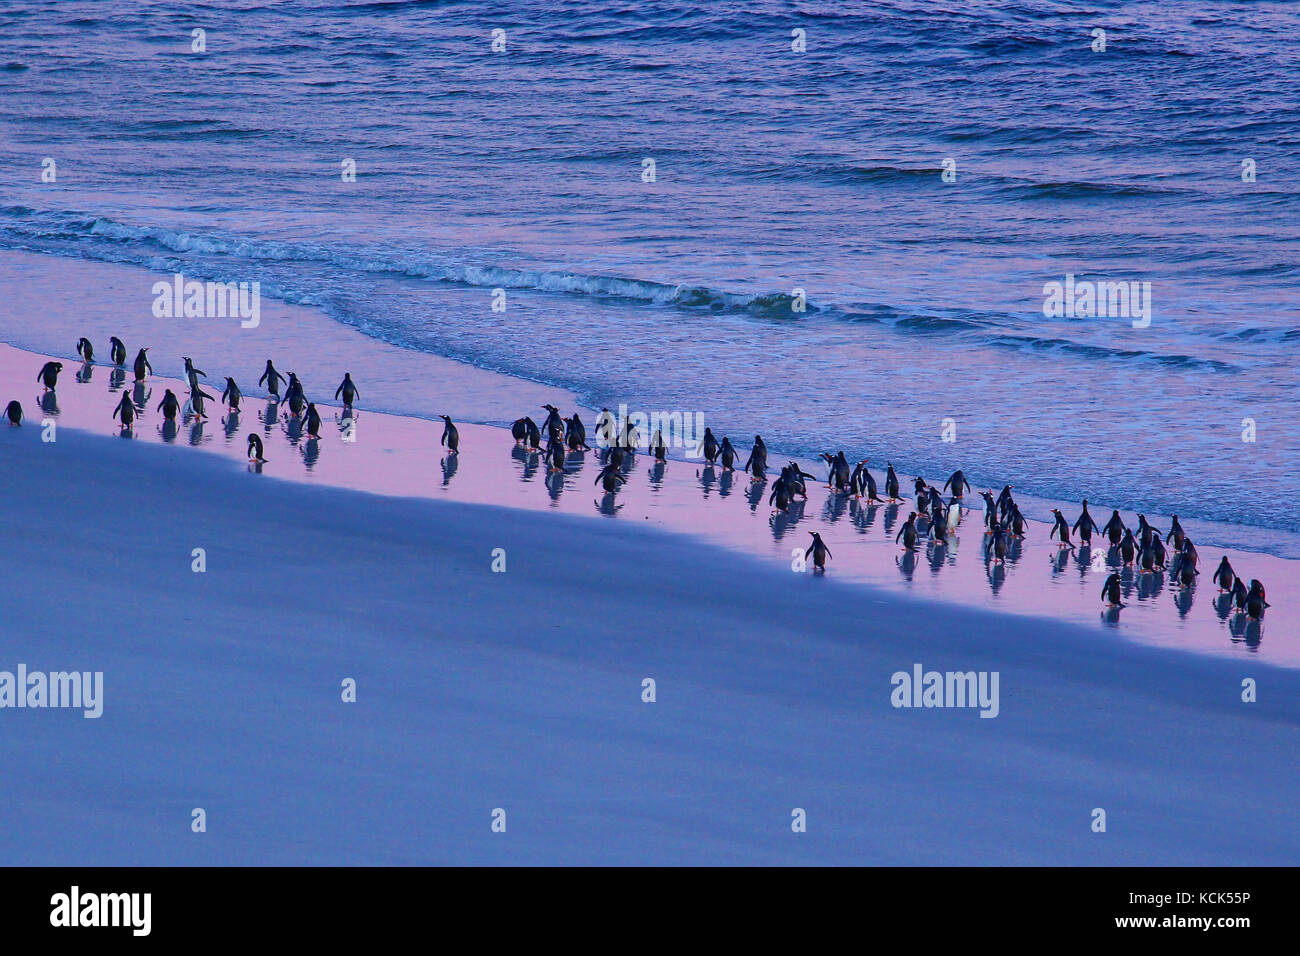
197 396
192 373
923 504
554 425
451 436
630 437
14 412
1160 556
1128 547
575 434
313 421
780 496
710 446
1018 525
990 510
348 390
1110 591
1178 535
295 395
1189 553
919 485
609 478
1060 530
125 411
605 426
658 447
999 544
142 364
756 463
1186 572
85 349
957 480
117 350
231 395
891 483
908 533
1255 601
1004 500
794 480
819 552
1239 595
272 379
554 455
169 405
937 506
954 513
49 373
1146 530
1224 575
870 482
534 435
255 451
519 430
1147 556
1085 526
939 525
1115 528
728 454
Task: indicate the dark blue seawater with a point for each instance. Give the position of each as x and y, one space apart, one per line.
775 171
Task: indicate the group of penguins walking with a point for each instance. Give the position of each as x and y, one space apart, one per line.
194 407
934 517
1150 550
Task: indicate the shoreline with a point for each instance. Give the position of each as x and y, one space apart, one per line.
400 456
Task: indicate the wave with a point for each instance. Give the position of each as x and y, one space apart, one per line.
163 248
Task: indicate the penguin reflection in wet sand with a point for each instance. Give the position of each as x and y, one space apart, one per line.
450 435
49 374
117 351
85 349
14 412
1110 592
255 452
819 552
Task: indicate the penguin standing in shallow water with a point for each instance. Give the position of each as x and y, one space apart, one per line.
142 365
1224 575
85 349
169 405
710 446
117 351
255 451
451 436
1110 592
313 421
49 374
728 454
908 533
125 411
819 551
272 380
1255 602
1085 526
231 395
891 483
14 412
347 390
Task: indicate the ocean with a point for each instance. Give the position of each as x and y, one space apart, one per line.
833 224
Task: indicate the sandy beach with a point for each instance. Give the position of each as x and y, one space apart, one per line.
522 690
